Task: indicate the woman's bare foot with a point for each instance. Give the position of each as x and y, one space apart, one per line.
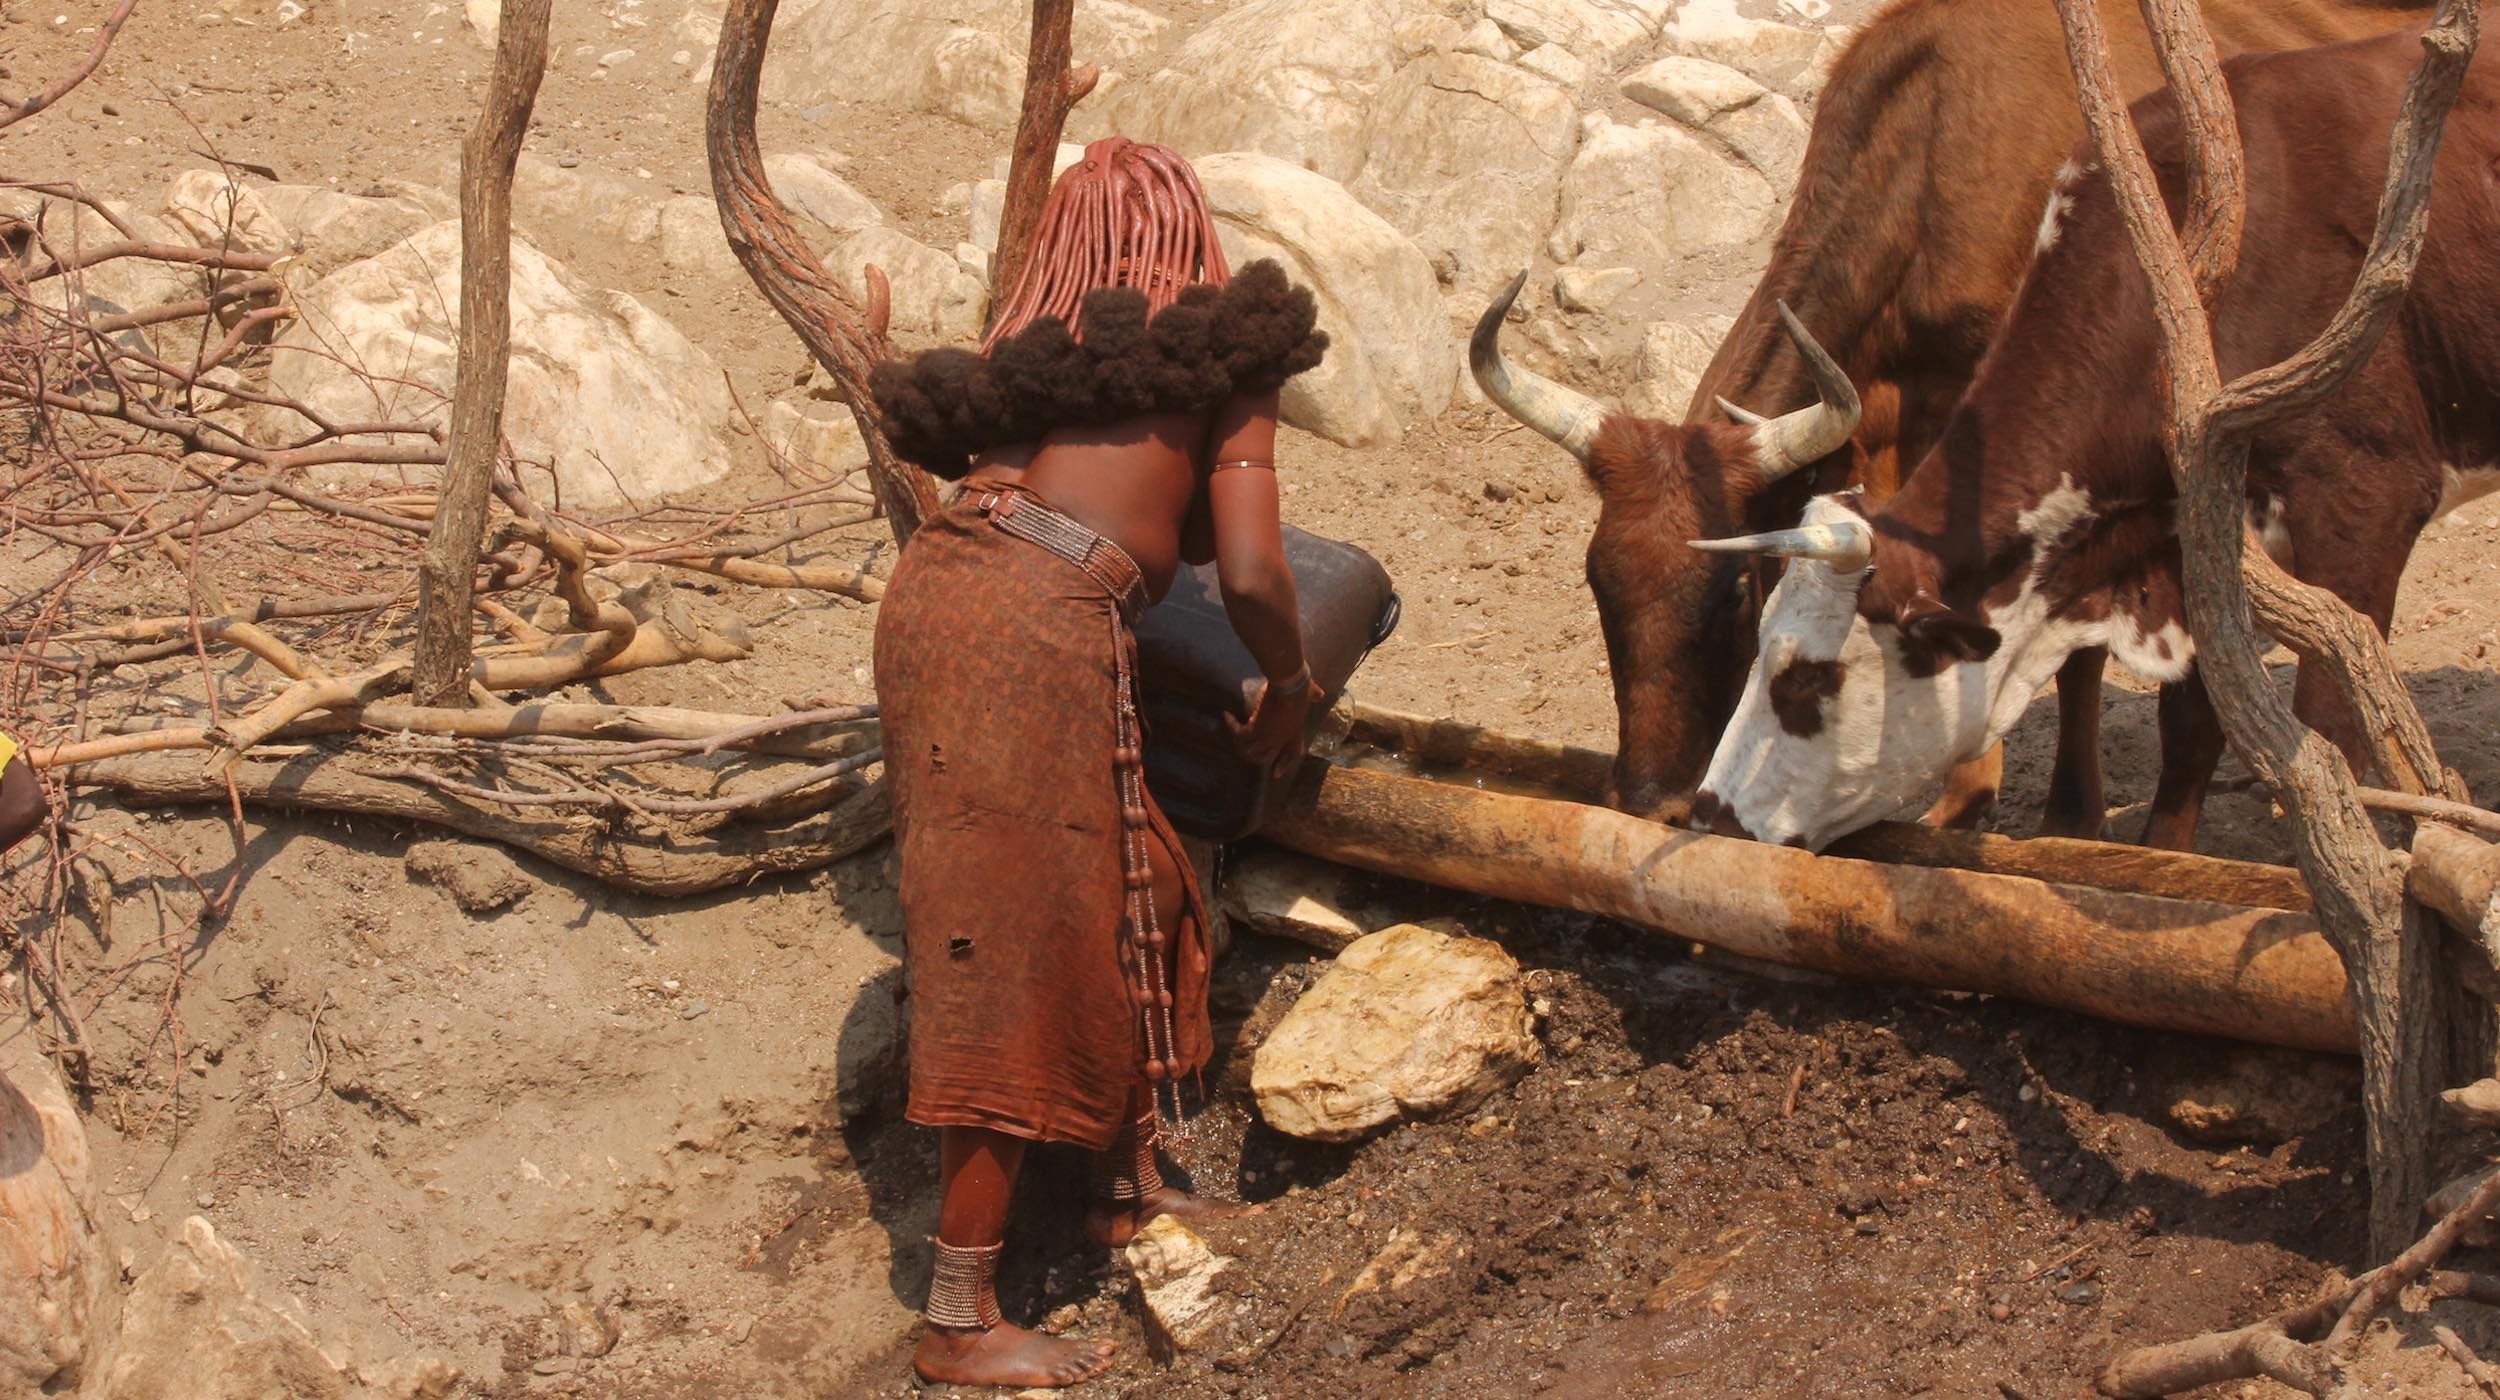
1008 1356
1115 1223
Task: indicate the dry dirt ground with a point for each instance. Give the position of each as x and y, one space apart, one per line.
577 1142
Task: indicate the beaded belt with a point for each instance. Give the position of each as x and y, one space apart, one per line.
1143 961
1035 522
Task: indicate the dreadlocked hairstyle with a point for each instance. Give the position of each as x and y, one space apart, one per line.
1129 214
1124 306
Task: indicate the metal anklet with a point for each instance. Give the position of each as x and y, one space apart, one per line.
963 1291
1126 1170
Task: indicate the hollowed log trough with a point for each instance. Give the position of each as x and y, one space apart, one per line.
2172 942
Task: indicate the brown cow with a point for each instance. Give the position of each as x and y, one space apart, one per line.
1917 208
2041 522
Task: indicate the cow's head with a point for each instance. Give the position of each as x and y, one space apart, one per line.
1869 684
1675 622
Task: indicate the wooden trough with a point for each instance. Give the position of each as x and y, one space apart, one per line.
2158 939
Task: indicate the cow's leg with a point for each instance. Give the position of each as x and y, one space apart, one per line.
2191 747
1970 792
2076 806
2374 533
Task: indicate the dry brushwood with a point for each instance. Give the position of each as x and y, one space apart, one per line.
670 864
2233 588
2308 1348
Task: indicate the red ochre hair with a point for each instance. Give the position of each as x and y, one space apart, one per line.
1129 214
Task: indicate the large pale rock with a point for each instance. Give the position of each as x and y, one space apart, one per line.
811 188
1466 154
122 284
1654 195
1176 1273
52 1272
218 213
691 241
961 58
1409 1023
822 437
339 227
561 207
1601 30
1791 59
1760 125
623 406
1285 78
1390 360
934 296
1674 356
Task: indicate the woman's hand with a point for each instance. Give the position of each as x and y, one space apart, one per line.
1274 736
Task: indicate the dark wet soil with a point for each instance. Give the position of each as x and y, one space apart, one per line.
1719 1184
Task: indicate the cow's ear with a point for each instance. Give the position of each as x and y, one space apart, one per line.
1927 623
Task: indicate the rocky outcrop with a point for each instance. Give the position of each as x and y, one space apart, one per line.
1653 196
622 406
1674 355
1391 359
963 59
1409 1023
1285 78
1465 155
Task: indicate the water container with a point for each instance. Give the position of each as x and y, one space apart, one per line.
1193 671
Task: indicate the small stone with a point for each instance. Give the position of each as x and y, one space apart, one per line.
614 57
694 1009
554 1366
568 162
2000 1310
112 111
206 1200
1175 1273
815 116
739 1330
1499 491
2081 1293
2029 1093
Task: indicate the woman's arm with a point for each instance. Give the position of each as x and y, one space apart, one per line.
22 802
1242 500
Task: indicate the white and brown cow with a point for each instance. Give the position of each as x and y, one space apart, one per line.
1910 636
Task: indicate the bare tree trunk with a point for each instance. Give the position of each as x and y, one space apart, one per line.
1051 88
811 299
2358 884
448 572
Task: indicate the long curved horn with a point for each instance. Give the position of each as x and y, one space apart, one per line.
1567 416
1741 414
1846 545
1794 440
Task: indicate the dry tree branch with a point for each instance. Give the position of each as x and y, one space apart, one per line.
2357 884
448 571
1051 88
769 247
60 87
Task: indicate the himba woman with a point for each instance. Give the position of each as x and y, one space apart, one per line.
1119 419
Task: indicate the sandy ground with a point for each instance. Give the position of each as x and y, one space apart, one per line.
599 1144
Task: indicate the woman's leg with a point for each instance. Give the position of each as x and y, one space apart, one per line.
1128 1185
964 1342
